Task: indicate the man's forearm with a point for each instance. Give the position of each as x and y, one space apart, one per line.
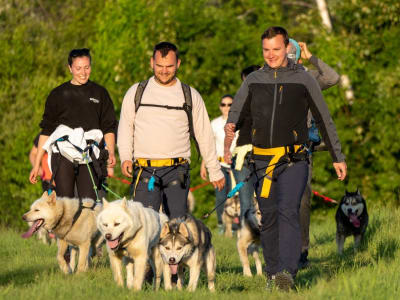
229 136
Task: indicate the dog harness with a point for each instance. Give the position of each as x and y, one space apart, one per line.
147 165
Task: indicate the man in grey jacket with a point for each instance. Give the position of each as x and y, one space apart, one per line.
278 98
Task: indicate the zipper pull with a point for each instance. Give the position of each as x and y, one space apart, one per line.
275 74
280 89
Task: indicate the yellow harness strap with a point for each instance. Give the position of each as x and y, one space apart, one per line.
142 162
137 181
276 154
168 162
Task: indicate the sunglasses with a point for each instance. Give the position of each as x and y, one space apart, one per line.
225 104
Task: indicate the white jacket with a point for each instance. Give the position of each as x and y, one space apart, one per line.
76 137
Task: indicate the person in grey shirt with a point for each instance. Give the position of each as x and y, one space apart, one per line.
326 78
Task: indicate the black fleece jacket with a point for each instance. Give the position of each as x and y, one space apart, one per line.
88 106
278 101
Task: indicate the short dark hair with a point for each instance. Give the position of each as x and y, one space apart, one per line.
273 31
246 71
226 96
78 53
164 48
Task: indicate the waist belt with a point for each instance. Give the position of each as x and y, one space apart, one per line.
276 153
142 162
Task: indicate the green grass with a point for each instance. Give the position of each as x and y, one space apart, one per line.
28 269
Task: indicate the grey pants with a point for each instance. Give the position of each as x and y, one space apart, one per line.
171 188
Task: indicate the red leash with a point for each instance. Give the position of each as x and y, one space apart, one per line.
326 199
120 179
192 189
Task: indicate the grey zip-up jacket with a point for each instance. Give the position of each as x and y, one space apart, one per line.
278 101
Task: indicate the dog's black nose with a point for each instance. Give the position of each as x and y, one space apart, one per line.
171 260
108 236
23 218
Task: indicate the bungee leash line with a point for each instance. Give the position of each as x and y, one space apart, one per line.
241 184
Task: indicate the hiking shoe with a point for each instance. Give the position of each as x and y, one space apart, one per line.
303 261
284 281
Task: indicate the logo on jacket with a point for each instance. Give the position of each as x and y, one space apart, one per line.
94 100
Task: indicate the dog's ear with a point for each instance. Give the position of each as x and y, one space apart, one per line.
358 192
347 193
124 204
51 199
164 230
45 195
105 203
184 230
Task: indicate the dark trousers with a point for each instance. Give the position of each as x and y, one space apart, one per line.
280 230
305 210
67 176
171 188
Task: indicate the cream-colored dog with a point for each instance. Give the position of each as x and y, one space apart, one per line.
72 221
132 232
249 239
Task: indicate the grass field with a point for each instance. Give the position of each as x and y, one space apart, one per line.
28 269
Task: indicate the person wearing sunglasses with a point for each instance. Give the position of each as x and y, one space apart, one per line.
219 134
77 104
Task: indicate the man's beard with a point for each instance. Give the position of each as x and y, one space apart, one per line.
172 78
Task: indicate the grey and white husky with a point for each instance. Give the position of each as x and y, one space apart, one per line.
187 241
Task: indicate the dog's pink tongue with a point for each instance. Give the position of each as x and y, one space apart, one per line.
31 230
236 220
354 220
112 244
174 269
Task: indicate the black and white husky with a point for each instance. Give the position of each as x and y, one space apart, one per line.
351 219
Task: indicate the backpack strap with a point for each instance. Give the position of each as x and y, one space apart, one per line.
139 93
188 107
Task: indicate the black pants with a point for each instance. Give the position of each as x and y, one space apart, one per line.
305 211
280 230
171 188
67 176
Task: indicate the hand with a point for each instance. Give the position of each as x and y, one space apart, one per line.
305 53
203 172
110 172
219 184
341 170
228 157
34 174
111 160
127 167
229 130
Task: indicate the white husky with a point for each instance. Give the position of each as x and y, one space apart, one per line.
132 231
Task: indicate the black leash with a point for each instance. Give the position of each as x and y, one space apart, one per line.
240 185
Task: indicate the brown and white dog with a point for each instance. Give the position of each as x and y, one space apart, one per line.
72 221
231 214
